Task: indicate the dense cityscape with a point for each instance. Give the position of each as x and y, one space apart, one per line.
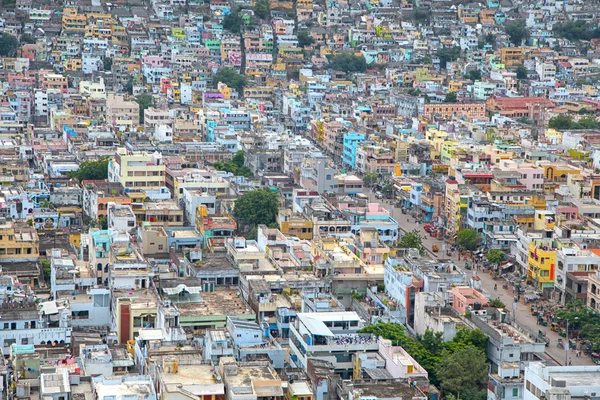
299 200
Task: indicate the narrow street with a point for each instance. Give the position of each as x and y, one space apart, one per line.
524 319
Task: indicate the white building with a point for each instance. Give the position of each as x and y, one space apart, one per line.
329 336
120 217
561 383
27 323
192 199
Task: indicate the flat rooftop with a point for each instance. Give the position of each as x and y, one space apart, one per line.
198 378
587 378
220 302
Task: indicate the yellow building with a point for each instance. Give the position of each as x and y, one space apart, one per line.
512 56
22 244
72 21
541 263
295 224
137 171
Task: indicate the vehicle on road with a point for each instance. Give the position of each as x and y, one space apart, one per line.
435 248
379 195
429 228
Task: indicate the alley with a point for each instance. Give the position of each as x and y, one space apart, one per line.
524 319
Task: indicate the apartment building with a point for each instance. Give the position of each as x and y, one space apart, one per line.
123 114
137 171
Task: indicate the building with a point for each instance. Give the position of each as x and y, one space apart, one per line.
122 114
329 336
450 110
137 171
545 382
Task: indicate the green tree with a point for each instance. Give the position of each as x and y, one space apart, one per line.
490 38
521 72
446 54
108 63
144 101
46 270
428 349
414 92
495 256
560 122
474 75
235 165
233 22
304 39
496 303
261 9
27 38
587 123
370 178
8 45
349 63
463 371
231 78
257 207
451 98
576 30
387 189
91 170
422 15
103 222
468 239
412 240
517 31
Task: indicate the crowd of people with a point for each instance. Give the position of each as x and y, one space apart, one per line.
347 339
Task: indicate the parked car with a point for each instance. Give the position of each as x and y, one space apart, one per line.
379 195
429 228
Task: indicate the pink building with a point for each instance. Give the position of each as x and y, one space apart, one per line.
465 297
531 176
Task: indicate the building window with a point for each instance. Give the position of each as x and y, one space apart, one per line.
515 392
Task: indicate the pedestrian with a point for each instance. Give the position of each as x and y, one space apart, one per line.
577 353
570 363
496 286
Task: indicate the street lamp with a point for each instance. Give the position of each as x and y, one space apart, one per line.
567 342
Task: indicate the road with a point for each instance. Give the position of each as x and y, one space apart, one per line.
524 318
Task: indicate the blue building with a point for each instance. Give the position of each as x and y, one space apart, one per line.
351 141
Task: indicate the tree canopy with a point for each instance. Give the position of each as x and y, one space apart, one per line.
28 38
464 371
451 97
521 72
474 75
446 54
412 240
261 9
257 207
235 166
430 349
562 122
233 22
349 62
576 30
469 239
91 170
8 45
304 39
517 31
231 78
495 256
144 101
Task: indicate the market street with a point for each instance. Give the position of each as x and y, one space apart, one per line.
524 319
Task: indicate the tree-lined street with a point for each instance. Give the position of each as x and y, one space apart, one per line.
524 319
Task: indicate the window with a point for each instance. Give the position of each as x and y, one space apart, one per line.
160 246
137 322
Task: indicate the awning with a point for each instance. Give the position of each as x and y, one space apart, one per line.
180 288
49 307
506 266
317 327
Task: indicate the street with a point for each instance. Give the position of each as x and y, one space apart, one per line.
524 319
